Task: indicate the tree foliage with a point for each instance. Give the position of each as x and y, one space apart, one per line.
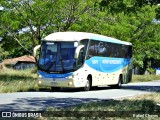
26 22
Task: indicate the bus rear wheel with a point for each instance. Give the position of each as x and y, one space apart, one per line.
119 84
87 87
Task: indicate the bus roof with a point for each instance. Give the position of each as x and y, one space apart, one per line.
77 36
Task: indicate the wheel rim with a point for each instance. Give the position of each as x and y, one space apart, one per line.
120 82
87 86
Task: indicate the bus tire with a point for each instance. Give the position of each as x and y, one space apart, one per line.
55 89
87 87
119 84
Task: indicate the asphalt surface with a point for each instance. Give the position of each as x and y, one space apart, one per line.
29 101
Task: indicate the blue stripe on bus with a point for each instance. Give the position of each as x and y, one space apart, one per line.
106 64
47 75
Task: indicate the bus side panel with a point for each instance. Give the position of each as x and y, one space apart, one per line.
106 71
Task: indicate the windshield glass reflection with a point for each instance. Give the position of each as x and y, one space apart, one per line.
57 56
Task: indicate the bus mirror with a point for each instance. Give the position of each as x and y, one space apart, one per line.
35 50
77 51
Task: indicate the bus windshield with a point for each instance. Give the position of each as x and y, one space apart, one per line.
57 56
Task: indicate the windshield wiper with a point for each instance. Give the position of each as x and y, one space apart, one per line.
61 60
62 64
52 63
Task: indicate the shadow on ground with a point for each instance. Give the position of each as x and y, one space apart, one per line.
145 88
28 104
40 103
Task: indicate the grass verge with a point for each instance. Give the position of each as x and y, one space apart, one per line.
140 107
17 81
145 78
24 80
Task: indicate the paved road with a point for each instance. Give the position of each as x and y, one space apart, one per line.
27 101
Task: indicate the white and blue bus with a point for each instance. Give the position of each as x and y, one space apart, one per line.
79 59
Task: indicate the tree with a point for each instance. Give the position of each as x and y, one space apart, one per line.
138 27
27 21
3 54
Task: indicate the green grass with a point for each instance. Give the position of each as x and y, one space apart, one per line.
138 103
17 81
24 80
145 78
147 103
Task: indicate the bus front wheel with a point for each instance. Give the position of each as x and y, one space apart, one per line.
87 87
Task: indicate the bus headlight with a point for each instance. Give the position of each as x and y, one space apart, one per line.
40 76
70 77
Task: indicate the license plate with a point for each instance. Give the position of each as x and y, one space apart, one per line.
54 83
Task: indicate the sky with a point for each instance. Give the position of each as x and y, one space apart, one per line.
1 8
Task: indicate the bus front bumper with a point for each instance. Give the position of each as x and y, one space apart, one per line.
60 82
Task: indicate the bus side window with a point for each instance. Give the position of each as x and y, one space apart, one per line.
101 49
93 48
85 43
123 51
81 57
129 51
97 48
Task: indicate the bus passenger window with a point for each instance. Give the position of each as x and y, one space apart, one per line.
93 49
129 51
101 49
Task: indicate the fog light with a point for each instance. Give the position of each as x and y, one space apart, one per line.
70 83
39 82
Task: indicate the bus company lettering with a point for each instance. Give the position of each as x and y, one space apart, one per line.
94 61
111 62
107 62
